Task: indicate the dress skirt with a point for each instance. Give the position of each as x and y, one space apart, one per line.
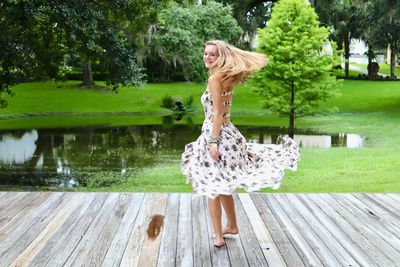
241 165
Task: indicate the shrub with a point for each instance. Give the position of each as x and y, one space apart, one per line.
167 102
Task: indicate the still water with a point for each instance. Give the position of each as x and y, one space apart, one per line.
67 158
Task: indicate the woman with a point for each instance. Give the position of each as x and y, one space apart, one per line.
220 160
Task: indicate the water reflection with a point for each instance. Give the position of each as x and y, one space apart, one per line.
66 158
312 140
315 141
17 148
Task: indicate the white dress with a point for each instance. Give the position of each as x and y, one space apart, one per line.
241 165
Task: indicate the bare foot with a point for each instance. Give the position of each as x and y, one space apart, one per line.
219 242
230 230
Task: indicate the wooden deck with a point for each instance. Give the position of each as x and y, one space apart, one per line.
118 229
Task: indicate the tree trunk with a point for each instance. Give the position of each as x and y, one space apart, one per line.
370 58
87 75
346 40
392 61
291 116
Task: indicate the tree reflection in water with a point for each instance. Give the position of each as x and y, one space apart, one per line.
87 156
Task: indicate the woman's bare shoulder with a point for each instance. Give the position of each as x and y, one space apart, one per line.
214 83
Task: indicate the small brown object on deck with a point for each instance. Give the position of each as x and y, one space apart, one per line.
155 225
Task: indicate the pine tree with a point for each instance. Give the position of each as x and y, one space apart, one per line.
299 73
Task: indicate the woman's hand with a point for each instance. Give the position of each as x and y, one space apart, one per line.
213 148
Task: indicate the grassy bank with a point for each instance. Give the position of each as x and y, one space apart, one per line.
369 109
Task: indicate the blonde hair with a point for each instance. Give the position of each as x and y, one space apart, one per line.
234 64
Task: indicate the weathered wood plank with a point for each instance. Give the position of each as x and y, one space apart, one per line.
151 246
282 242
37 244
265 241
320 230
373 222
121 238
341 236
389 220
322 250
386 202
11 218
184 247
135 242
57 250
137 238
81 251
395 197
232 254
201 235
106 235
19 238
167 254
363 233
374 256
368 199
12 199
294 234
109 229
219 256
9 212
248 234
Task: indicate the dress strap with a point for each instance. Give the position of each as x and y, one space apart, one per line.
227 103
226 93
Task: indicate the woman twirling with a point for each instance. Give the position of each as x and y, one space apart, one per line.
220 160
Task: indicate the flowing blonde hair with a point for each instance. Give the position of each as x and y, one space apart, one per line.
234 64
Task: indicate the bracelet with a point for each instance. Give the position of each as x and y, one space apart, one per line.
213 140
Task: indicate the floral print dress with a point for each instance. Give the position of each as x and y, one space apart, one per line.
241 165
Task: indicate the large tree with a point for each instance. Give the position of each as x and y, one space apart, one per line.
175 43
250 15
30 47
346 20
299 72
36 36
385 30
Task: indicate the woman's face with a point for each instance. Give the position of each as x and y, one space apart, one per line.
210 55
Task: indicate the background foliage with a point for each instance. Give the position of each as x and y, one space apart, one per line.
299 73
173 48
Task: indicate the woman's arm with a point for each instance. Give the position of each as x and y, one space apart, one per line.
214 87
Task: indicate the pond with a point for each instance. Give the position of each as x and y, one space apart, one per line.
70 157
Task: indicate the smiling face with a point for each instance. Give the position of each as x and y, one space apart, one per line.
210 55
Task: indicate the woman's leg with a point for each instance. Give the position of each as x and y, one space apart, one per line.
214 207
229 207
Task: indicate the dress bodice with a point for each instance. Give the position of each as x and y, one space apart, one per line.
207 102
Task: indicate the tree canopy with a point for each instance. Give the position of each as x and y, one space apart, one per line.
299 72
346 19
175 43
39 37
386 28
250 15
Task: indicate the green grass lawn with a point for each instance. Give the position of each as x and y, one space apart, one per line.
367 108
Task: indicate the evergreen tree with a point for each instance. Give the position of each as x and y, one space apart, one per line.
299 72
